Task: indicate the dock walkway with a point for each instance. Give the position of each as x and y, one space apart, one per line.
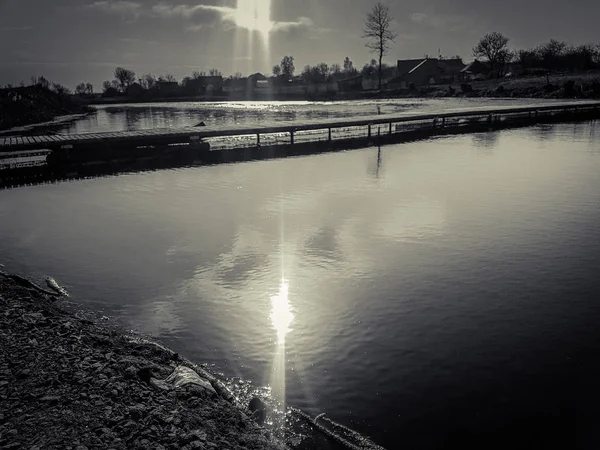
174 136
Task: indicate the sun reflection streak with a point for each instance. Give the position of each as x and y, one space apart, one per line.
281 319
281 313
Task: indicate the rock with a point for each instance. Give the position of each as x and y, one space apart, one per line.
131 372
258 409
52 399
196 445
11 446
137 412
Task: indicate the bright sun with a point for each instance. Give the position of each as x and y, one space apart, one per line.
254 15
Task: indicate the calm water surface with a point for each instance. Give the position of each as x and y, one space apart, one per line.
437 291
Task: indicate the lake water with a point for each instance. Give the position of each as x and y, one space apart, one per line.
435 294
178 114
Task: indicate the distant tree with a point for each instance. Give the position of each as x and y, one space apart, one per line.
148 81
370 69
106 85
551 54
287 66
581 57
323 69
378 32
168 78
504 59
493 47
186 81
336 70
277 70
89 88
596 56
348 66
237 76
215 73
60 89
306 73
80 89
198 74
124 78
40 81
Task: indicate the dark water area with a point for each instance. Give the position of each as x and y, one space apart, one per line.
435 294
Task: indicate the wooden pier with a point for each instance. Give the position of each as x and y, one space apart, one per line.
96 153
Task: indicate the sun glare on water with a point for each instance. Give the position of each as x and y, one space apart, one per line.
281 314
254 15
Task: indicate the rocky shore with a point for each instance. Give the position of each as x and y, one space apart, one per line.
69 383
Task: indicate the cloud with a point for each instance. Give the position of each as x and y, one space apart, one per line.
199 16
302 22
167 11
125 8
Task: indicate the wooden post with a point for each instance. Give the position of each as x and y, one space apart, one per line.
258 139
390 127
369 135
292 137
443 122
330 134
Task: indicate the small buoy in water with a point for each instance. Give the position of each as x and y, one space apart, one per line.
52 284
201 124
258 409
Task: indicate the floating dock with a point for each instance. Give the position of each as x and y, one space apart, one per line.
59 156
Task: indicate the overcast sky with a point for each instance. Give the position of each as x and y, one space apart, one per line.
70 41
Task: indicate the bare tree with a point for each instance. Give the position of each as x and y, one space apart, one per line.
378 32
198 74
89 88
124 78
215 73
493 47
169 78
287 66
237 75
148 81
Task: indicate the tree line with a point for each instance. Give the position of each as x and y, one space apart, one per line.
553 55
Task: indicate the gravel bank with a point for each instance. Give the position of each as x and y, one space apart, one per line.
69 383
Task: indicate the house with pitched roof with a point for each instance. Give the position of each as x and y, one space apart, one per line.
426 71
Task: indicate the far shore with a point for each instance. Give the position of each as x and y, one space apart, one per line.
584 85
